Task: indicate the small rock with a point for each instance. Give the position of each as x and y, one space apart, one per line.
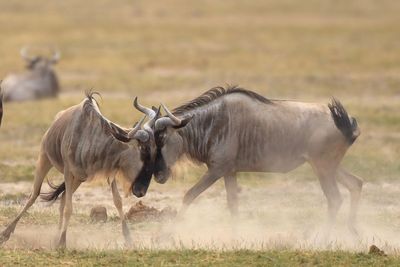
374 250
98 214
140 212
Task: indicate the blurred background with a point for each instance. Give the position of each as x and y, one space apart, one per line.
171 51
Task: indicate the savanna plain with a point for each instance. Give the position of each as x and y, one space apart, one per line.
172 51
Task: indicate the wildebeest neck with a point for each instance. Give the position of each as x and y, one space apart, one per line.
208 127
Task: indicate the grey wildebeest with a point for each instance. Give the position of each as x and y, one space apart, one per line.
39 81
81 143
236 130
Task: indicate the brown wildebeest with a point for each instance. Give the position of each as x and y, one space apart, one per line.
39 81
81 143
236 130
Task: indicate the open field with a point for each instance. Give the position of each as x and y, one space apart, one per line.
172 52
193 258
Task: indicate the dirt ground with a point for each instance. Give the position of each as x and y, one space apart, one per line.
273 215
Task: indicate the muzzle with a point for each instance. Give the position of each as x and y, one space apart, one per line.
162 176
139 190
142 182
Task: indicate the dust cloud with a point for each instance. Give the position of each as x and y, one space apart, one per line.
278 214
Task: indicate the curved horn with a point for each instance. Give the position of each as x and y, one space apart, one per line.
135 129
56 56
149 112
162 123
24 53
173 118
150 123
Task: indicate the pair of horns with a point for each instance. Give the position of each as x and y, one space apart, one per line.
137 133
171 120
25 55
151 113
142 135
160 123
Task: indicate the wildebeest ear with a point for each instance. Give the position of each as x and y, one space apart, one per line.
119 134
184 122
121 137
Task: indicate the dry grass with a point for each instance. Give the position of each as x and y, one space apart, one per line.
174 50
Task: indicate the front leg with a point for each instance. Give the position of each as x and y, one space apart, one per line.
205 182
118 204
231 188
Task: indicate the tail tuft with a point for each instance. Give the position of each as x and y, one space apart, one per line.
347 125
53 195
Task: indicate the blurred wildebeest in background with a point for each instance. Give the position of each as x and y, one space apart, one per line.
236 130
39 81
81 143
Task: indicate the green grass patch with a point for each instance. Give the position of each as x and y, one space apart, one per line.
192 258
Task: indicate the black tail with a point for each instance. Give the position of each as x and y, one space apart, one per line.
347 125
53 195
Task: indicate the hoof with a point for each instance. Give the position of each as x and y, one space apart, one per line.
61 246
128 243
3 238
5 235
62 241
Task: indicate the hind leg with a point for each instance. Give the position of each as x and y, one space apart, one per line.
118 204
327 177
62 205
71 183
42 168
354 185
61 210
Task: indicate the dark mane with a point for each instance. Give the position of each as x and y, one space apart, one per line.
108 126
215 93
90 96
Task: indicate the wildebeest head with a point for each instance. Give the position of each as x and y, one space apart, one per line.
147 151
39 62
168 143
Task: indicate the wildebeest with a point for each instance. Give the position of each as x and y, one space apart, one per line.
81 143
236 130
39 81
